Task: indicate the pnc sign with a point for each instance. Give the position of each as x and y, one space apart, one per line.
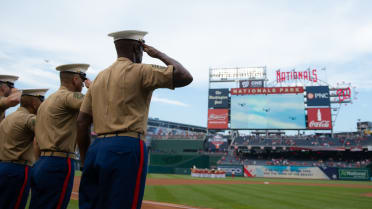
318 96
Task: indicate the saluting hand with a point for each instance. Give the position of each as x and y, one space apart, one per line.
151 51
14 98
87 83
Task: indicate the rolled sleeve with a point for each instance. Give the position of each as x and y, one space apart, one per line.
30 122
154 76
74 100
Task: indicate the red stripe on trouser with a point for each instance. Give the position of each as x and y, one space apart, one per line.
139 174
65 184
19 199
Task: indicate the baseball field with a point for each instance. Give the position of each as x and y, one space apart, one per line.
181 191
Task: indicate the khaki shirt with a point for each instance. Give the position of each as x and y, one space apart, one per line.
120 96
55 128
2 108
17 135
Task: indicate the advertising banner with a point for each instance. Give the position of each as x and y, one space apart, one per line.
296 172
319 118
353 174
217 143
233 74
218 98
293 75
218 119
229 169
317 96
273 111
251 83
268 90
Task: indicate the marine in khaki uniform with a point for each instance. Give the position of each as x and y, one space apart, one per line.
16 150
9 96
55 132
118 105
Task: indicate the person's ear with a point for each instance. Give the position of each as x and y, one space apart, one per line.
35 104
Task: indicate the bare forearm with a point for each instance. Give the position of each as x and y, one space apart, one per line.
83 140
83 134
181 76
36 150
167 60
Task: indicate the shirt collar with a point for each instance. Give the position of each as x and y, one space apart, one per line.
23 109
63 88
123 59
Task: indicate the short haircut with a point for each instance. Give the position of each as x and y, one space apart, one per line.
26 100
66 77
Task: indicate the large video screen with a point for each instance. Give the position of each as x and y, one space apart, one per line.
272 111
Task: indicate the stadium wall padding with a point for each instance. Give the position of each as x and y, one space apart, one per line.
361 174
177 163
176 145
304 172
296 172
237 169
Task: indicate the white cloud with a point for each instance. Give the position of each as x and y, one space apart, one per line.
168 101
3 56
203 34
200 36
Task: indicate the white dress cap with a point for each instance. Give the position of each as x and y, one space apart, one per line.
8 78
34 92
128 34
73 68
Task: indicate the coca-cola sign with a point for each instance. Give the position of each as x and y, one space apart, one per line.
319 124
218 118
319 118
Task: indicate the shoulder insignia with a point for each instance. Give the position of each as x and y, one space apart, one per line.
158 67
78 95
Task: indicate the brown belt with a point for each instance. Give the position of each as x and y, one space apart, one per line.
58 154
129 133
21 162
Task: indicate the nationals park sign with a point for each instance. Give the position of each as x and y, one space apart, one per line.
267 90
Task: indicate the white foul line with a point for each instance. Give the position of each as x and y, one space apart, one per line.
158 203
167 204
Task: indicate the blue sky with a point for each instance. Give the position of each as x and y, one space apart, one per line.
199 34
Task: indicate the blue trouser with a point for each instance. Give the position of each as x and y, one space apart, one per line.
114 174
52 179
14 185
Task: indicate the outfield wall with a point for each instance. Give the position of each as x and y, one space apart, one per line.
306 172
238 170
177 163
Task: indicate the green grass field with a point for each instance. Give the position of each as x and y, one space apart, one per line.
262 196
259 196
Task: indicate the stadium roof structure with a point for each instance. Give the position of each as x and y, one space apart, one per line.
174 125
